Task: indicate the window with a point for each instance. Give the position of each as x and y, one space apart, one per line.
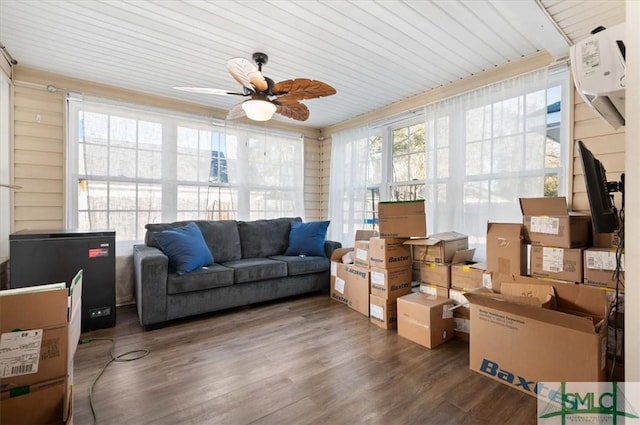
131 166
472 156
408 162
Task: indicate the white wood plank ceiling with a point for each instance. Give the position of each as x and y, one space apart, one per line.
374 53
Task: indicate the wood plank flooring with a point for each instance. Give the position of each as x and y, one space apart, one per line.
303 360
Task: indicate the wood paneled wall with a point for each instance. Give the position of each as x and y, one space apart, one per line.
313 179
38 159
606 144
326 170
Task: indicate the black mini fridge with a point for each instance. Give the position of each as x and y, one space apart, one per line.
38 257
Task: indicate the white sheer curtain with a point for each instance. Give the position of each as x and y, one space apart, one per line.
348 184
486 149
267 168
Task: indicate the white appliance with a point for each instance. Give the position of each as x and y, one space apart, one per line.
598 66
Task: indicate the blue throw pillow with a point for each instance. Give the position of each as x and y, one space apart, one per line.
185 247
307 238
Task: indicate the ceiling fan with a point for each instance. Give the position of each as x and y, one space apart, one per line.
265 96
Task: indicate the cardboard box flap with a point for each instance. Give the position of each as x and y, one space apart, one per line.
33 310
339 253
478 266
551 317
549 206
508 231
436 239
365 235
571 297
546 294
544 302
463 256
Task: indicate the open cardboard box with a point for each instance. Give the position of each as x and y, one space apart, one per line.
349 283
520 345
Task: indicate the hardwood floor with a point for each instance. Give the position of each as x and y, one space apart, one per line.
304 360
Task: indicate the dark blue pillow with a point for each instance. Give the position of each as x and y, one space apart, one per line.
307 238
185 247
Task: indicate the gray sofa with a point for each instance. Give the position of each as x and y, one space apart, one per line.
249 267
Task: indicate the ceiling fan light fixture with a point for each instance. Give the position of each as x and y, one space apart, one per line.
258 109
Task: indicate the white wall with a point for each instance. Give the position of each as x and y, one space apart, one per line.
632 174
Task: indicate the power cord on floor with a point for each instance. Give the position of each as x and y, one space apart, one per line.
124 357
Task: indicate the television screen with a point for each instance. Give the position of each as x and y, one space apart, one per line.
603 211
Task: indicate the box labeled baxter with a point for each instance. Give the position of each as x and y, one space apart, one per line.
521 344
388 253
390 283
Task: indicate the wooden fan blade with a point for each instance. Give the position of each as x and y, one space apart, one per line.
206 90
236 112
247 74
292 109
301 88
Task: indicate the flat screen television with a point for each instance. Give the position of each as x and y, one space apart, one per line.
599 192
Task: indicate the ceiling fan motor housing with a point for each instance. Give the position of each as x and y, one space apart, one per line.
260 59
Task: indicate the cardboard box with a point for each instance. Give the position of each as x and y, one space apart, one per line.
520 345
599 267
390 283
467 274
40 349
424 319
383 312
361 256
39 403
438 248
557 263
506 251
403 219
436 274
434 290
548 222
389 253
606 240
349 283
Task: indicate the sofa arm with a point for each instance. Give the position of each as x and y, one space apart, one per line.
150 268
330 246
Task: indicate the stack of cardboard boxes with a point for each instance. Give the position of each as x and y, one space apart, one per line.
546 327
447 270
557 237
604 268
424 319
390 267
40 329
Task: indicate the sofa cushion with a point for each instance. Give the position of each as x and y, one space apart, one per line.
307 238
222 238
253 269
213 276
297 265
264 238
185 248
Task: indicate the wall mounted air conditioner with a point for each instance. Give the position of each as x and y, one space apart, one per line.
598 66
